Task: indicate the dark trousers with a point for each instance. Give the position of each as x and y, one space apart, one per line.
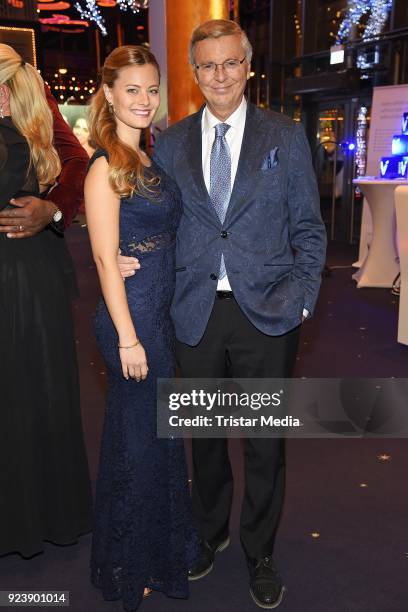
233 347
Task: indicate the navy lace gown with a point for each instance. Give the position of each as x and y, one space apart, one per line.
143 535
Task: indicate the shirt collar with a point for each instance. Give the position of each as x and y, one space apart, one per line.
235 120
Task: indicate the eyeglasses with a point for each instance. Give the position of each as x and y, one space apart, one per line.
229 66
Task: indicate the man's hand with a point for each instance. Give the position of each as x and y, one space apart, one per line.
29 217
127 265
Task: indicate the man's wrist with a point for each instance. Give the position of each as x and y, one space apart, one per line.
51 209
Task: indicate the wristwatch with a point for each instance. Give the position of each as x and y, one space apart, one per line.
57 216
57 221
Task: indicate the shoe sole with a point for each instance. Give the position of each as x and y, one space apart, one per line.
275 604
219 548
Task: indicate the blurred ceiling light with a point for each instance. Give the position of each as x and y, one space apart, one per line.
63 20
106 3
53 6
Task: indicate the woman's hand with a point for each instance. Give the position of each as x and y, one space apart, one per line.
134 363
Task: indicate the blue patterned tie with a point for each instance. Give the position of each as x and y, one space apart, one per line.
220 178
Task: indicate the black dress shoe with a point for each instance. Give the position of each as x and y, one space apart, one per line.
265 584
205 561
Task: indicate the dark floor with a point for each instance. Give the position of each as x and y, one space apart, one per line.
342 547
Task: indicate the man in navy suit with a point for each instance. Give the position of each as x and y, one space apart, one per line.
250 251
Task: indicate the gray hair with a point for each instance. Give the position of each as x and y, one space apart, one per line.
215 28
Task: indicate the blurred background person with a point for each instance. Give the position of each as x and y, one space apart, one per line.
81 131
43 467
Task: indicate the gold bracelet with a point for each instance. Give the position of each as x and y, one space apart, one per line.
129 347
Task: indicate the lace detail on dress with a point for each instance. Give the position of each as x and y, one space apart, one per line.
152 243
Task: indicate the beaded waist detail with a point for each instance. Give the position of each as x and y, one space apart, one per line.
149 244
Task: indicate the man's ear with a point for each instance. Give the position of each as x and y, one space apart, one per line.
195 75
249 71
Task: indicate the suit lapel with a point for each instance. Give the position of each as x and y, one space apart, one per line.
250 159
195 162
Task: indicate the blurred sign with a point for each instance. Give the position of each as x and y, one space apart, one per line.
337 54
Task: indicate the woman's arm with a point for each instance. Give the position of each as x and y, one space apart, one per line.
102 213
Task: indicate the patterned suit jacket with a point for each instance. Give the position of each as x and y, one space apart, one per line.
273 238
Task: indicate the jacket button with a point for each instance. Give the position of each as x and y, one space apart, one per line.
213 276
224 234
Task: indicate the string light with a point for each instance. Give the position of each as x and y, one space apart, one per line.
134 5
92 13
361 139
124 5
31 31
297 26
378 18
378 10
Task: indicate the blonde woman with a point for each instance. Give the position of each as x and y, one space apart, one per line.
143 537
43 467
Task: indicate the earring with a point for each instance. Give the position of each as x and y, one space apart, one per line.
111 108
1 111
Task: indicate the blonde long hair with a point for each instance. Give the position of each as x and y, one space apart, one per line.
30 112
126 171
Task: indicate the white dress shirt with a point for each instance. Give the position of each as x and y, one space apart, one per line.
234 140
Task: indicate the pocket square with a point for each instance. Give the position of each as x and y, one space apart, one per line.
271 160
